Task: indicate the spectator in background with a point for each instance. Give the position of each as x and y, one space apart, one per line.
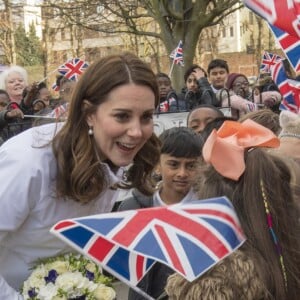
201 115
41 105
61 107
239 84
44 93
9 114
239 96
168 100
218 71
4 99
66 89
197 89
14 80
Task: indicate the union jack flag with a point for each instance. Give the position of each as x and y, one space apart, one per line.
284 14
268 60
59 112
290 46
73 68
289 88
189 238
177 54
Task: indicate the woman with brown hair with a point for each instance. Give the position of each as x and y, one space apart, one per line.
258 184
61 171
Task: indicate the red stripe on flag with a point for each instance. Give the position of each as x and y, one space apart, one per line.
216 213
63 224
287 40
262 7
191 227
100 248
171 251
74 69
285 89
140 260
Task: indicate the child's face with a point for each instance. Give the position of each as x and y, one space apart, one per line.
164 85
200 117
192 83
178 174
217 77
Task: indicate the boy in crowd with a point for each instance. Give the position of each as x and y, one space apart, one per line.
218 71
179 159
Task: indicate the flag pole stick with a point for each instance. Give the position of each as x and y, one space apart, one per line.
171 69
40 117
47 76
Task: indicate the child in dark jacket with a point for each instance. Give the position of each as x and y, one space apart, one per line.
168 101
179 159
197 89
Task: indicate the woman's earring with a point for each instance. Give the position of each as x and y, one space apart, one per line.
90 131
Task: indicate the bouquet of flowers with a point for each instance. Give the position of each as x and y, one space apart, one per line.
68 277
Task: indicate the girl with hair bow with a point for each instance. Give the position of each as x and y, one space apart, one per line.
238 166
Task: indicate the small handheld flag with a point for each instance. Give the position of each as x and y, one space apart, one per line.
177 54
269 60
189 238
73 68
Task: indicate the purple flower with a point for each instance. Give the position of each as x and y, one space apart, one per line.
52 275
90 275
32 293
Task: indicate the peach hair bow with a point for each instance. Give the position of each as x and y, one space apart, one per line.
225 148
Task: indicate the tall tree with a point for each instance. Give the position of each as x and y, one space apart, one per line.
7 33
177 19
29 47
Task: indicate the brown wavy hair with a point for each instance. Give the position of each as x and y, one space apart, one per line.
234 277
80 176
247 198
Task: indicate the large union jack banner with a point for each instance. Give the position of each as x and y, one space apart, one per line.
189 238
289 88
283 17
284 14
73 68
290 46
177 54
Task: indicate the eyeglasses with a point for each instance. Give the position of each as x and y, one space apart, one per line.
3 104
240 84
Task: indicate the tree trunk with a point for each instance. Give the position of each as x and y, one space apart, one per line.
13 53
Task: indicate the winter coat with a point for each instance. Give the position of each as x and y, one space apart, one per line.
205 95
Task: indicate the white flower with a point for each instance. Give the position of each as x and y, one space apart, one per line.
71 282
68 281
91 267
103 292
47 292
37 278
59 266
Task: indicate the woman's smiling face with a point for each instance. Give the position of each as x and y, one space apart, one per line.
15 84
123 123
